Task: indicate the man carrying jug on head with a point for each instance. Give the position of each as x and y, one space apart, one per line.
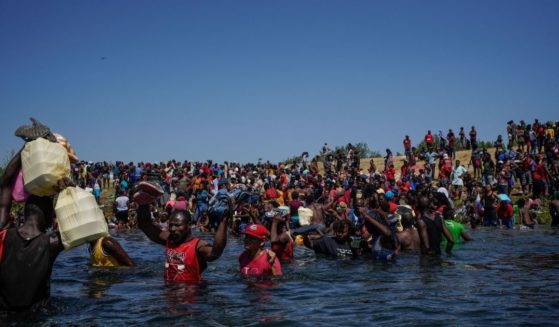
27 252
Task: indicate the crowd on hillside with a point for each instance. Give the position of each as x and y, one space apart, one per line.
526 162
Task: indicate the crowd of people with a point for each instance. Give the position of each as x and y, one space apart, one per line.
352 210
330 204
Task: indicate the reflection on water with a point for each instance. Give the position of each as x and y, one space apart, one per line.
504 277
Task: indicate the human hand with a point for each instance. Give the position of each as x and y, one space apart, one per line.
62 184
254 212
278 217
271 257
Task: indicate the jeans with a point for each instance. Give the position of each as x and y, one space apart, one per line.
487 180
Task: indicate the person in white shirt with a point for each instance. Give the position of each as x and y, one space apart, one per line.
121 209
457 179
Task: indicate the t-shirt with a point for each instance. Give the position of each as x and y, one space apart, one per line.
505 210
25 270
407 144
327 245
258 266
429 138
456 229
181 262
434 232
457 175
272 193
122 203
294 206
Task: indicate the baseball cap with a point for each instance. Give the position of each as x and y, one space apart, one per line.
258 231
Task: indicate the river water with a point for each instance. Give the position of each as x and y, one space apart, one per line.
504 277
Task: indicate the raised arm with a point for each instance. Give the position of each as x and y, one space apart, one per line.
212 252
380 227
6 184
466 236
274 236
113 248
153 232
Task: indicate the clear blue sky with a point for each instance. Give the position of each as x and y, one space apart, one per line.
242 80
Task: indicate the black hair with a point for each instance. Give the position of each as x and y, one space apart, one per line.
187 216
423 204
448 213
41 206
407 219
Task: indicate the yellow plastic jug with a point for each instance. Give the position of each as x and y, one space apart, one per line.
44 163
79 218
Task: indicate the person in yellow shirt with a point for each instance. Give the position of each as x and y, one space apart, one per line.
107 252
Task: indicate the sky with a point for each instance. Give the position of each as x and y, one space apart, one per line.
136 80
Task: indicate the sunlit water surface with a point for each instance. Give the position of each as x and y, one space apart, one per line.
504 277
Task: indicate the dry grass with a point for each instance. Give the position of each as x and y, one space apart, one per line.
464 156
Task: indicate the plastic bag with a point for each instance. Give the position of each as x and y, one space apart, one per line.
19 194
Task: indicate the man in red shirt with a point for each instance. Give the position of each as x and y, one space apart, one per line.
186 256
504 213
539 177
429 139
270 192
256 261
407 148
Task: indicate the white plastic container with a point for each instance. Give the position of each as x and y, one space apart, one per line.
305 216
79 218
44 163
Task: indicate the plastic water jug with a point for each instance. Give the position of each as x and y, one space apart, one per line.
80 219
305 216
44 163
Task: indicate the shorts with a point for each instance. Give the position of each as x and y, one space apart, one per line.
122 216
